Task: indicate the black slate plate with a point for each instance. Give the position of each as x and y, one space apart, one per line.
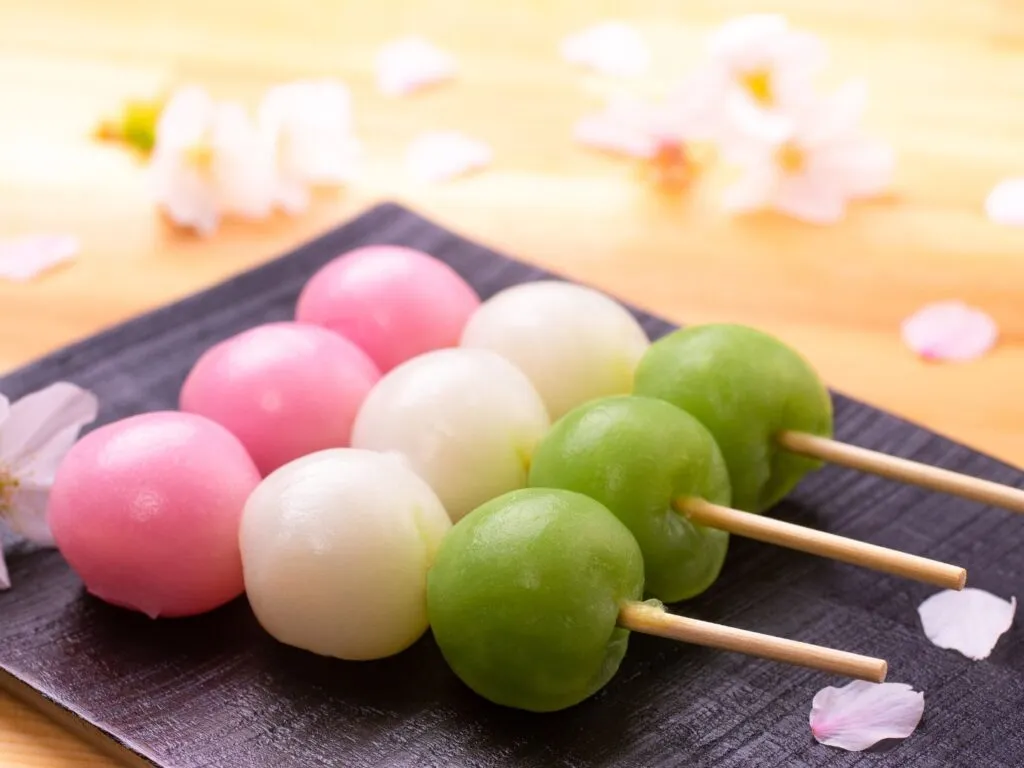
216 691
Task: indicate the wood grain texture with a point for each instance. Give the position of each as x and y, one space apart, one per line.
217 692
947 81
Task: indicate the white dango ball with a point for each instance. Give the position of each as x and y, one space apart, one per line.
574 343
467 420
335 552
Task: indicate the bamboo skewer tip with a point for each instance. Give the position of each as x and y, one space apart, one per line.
822 543
654 620
904 470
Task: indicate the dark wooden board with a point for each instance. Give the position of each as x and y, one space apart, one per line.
216 691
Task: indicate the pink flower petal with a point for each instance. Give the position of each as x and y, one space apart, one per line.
601 132
5 579
753 191
746 121
411 63
1005 203
629 127
740 34
443 155
970 621
861 714
863 168
832 117
23 258
610 48
811 198
949 330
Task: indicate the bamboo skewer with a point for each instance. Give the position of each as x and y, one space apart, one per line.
904 470
652 620
840 548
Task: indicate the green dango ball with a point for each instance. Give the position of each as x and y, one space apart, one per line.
524 596
636 455
746 387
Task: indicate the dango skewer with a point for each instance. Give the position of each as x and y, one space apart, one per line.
772 416
661 472
904 470
533 595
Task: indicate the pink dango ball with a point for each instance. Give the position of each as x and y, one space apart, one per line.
284 389
394 302
147 512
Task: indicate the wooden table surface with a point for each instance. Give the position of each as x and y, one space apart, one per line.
947 84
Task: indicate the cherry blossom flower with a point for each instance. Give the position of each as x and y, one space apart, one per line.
969 621
309 123
442 155
410 64
1005 203
609 48
210 160
35 434
810 165
949 330
754 63
23 258
861 714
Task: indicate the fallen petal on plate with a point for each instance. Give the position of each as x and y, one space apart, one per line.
1005 203
610 48
443 155
23 258
861 714
970 621
950 330
411 63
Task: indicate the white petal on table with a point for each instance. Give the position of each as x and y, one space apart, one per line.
443 155
27 516
411 63
310 123
970 621
610 48
185 117
23 258
950 330
815 199
861 714
752 191
244 163
1005 203
43 418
